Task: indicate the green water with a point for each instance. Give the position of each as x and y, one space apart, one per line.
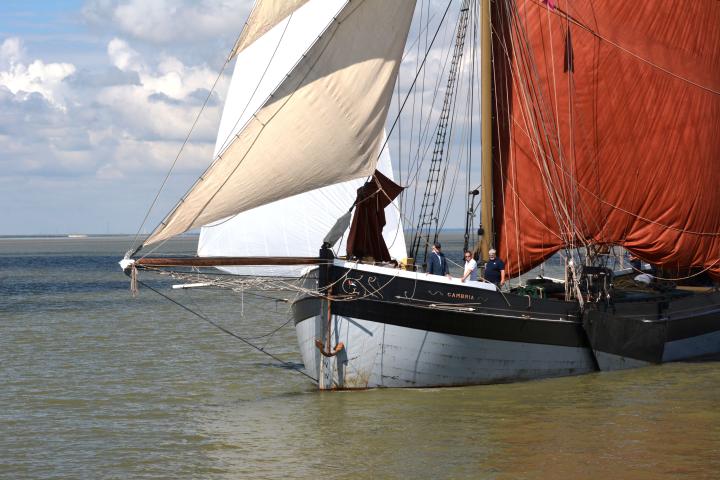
97 384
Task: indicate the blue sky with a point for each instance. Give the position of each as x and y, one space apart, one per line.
23 17
96 97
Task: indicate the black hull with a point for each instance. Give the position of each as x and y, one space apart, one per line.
451 308
615 336
426 331
662 330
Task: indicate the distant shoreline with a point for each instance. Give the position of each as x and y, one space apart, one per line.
81 236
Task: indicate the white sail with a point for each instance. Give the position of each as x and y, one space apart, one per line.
295 226
264 16
261 67
322 125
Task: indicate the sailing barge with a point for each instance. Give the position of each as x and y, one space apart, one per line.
600 128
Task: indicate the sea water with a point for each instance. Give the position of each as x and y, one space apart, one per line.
97 384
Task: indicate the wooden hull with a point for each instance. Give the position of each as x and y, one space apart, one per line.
416 330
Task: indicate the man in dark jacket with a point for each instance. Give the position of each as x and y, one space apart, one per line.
495 269
437 263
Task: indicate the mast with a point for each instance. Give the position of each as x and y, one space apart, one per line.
486 197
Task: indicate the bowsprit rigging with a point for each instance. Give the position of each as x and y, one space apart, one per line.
236 285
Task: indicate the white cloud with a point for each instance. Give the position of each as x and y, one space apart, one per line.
170 76
164 104
124 117
123 56
10 50
35 77
163 21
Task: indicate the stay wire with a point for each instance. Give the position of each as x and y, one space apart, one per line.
412 85
134 246
274 331
225 330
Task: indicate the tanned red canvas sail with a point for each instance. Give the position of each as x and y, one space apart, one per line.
608 129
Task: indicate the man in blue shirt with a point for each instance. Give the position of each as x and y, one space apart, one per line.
495 269
437 263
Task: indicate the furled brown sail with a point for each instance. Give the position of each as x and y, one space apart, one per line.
365 238
608 129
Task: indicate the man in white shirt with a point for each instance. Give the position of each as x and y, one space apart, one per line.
470 267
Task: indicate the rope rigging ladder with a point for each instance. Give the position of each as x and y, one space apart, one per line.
428 214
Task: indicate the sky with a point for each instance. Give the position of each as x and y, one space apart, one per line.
96 98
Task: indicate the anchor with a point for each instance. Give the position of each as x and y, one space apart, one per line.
338 348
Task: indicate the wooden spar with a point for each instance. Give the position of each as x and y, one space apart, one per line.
486 186
225 261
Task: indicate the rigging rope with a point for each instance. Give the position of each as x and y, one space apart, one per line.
228 332
412 85
217 190
435 180
177 157
561 13
133 246
556 171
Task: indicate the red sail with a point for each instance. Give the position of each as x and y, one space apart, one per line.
608 129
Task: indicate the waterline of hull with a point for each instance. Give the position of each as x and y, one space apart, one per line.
687 348
381 355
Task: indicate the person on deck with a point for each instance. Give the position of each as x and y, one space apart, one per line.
437 263
470 267
495 269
